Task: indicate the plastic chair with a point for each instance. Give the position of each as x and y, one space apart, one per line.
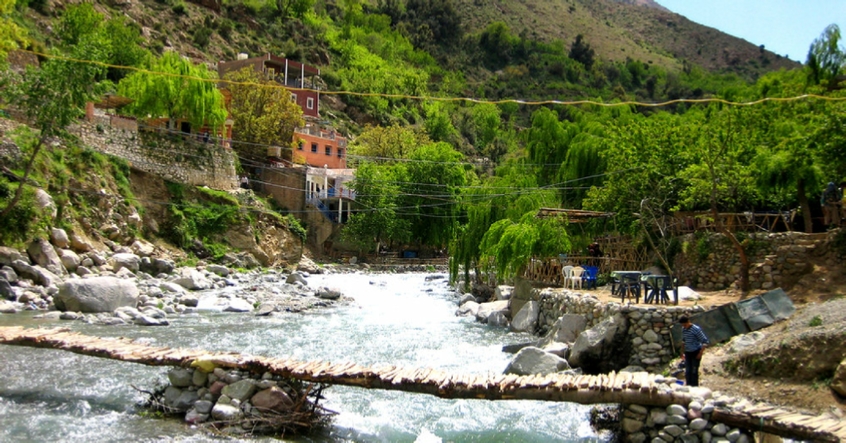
567 272
576 277
589 277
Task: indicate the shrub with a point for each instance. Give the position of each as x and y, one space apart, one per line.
816 321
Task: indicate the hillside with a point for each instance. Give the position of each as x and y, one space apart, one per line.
636 29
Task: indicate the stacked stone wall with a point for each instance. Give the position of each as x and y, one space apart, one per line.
181 160
709 261
648 326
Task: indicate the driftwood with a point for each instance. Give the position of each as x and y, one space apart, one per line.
626 388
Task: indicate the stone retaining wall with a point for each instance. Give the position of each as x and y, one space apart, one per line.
679 423
648 328
171 157
708 261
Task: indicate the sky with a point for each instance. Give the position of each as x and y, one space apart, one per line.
785 27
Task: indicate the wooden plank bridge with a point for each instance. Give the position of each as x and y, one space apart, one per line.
626 388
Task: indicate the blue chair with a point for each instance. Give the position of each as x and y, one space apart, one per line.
589 276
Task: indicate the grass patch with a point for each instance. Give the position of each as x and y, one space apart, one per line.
816 321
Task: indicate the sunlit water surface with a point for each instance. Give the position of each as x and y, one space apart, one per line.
398 319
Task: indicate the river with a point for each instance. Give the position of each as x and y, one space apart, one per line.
400 319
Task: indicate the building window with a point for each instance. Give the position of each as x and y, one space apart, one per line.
328 150
340 152
300 145
314 147
310 103
294 98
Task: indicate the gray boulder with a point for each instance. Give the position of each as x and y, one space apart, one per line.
467 309
527 318
44 202
70 260
240 390
126 260
10 255
296 277
745 341
8 274
567 328
838 382
498 319
465 298
531 360
6 291
40 251
222 271
59 238
96 294
238 305
180 377
7 308
328 293
142 248
226 412
602 348
146 320
486 309
192 279
503 292
36 273
272 399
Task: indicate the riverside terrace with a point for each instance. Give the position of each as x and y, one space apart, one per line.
638 388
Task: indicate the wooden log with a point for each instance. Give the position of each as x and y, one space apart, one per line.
770 427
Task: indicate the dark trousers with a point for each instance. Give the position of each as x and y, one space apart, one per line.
691 367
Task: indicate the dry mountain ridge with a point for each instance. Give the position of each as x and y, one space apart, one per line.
620 29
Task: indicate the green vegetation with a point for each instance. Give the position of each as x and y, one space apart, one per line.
816 321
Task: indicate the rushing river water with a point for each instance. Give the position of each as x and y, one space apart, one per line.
400 319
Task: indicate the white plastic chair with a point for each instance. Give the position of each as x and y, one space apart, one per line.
576 277
567 272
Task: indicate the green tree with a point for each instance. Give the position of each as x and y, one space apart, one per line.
377 221
77 21
386 143
174 88
826 57
581 52
293 8
508 247
11 35
52 98
262 114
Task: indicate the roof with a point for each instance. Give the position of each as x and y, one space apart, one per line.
112 101
574 215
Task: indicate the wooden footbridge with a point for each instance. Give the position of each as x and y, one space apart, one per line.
628 388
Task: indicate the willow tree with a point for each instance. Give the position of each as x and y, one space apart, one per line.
173 87
11 35
262 112
376 220
509 246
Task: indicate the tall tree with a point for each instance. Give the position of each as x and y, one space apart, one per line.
262 113
377 221
174 88
825 57
11 35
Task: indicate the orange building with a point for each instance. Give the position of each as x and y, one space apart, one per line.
320 147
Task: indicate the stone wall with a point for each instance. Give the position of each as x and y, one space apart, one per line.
182 160
708 261
648 326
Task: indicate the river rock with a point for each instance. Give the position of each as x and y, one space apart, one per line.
698 424
497 319
40 251
468 309
526 318
172 287
503 292
203 406
631 426
485 309
97 294
8 274
274 399
10 255
596 349
185 400
180 377
142 248
658 416
70 260
676 410
59 238
226 412
146 320
719 429
650 336
6 291
192 279
35 273
296 277
465 298
222 271
7 308
199 378
188 300
733 435
674 430
238 305
193 417
328 293
240 390
125 260
568 327
531 360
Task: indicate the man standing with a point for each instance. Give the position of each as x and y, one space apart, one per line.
694 342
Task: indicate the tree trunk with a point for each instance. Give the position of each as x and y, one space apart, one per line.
804 205
19 191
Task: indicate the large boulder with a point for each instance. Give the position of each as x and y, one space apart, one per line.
503 292
486 309
70 260
142 248
272 399
59 238
97 294
6 291
44 202
125 260
9 255
527 318
467 309
602 348
531 360
36 273
41 252
241 390
192 279
567 328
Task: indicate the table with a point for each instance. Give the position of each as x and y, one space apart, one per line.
626 284
655 289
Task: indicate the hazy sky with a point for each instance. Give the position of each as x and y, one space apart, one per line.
786 27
